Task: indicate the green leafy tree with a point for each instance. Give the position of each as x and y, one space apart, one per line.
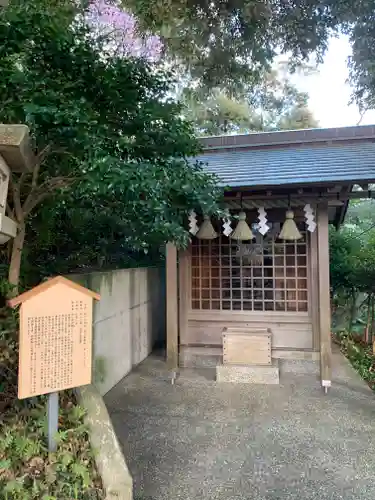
364 277
274 104
361 215
109 142
344 246
352 265
218 113
361 62
297 117
229 43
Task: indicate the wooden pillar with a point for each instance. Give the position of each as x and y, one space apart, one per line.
172 306
314 290
184 291
324 297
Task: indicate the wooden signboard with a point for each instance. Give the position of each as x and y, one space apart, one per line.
55 350
243 346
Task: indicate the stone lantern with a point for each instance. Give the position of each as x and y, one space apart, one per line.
15 156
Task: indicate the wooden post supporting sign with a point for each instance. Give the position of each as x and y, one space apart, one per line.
53 420
55 344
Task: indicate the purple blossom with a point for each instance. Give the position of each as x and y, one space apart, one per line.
108 16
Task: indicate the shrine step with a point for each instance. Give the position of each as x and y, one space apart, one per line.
298 366
249 374
200 357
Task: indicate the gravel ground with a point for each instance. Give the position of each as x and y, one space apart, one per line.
201 440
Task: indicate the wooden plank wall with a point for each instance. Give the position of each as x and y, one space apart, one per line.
287 331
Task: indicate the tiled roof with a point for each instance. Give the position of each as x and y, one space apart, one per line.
293 164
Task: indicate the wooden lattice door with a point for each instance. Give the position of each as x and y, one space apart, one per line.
274 280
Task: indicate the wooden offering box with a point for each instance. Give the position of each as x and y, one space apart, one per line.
246 346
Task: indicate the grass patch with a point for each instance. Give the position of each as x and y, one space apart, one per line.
360 356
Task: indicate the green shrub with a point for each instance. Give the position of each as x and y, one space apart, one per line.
361 357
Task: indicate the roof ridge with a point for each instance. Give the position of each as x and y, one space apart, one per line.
45 285
289 137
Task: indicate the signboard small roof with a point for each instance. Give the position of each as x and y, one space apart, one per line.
43 287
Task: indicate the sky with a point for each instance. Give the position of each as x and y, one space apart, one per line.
328 91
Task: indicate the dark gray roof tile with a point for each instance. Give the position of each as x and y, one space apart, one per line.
322 163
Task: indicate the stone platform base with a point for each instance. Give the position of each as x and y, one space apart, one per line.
249 374
200 357
298 366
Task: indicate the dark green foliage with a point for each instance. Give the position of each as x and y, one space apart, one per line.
344 246
361 357
228 43
352 255
352 263
361 216
361 64
112 174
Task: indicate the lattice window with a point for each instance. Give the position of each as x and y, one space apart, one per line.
273 278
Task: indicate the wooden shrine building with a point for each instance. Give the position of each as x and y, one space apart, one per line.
279 285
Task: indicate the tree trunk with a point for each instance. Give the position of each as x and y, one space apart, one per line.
352 310
372 318
368 321
15 261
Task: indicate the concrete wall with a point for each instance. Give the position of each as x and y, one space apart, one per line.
129 320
